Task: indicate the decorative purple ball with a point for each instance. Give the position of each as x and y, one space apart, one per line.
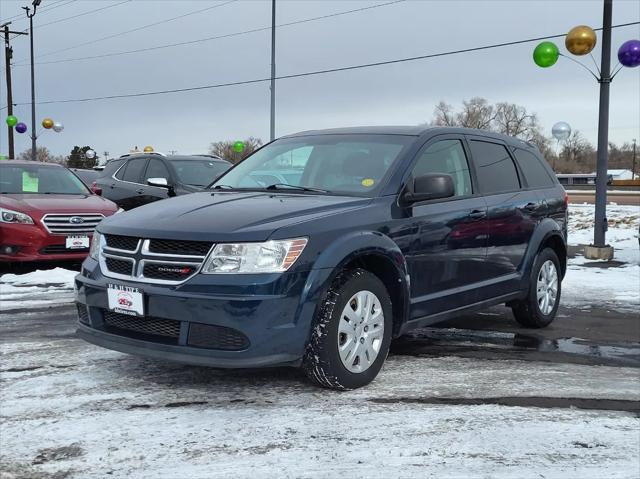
629 53
21 128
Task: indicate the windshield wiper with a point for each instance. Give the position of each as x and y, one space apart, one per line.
222 187
286 186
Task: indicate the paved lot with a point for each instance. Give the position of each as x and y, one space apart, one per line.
478 397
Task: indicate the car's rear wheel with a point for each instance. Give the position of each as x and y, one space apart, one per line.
541 305
351 332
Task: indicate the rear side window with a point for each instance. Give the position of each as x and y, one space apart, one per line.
133 170
495 168
111 167
533 170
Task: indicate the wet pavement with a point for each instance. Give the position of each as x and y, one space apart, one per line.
577 336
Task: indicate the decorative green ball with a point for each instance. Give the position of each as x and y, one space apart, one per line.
546 54
11 121
238 147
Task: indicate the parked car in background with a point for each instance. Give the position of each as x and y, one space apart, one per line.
46 213
87 176
140 178
387 229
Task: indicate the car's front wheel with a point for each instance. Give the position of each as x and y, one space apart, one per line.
351 332
543 298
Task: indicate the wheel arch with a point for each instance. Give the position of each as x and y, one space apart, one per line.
378 254
547 234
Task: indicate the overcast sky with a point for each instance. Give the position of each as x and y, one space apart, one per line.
403 93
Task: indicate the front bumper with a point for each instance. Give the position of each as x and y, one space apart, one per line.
34 243
273 312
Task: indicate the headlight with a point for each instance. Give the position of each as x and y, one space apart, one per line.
94 251
268 257
8 216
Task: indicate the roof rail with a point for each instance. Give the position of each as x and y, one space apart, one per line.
206 155
137 153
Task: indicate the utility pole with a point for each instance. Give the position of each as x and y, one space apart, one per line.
35 4
272 135
599 249
633 167
8 55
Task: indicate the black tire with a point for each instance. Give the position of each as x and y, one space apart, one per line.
321 361
527 311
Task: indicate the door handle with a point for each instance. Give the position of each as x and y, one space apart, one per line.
140 191
529 207
477 214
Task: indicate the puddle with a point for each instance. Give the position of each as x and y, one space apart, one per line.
441 341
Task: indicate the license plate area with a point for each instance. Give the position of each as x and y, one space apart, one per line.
77 242
125 300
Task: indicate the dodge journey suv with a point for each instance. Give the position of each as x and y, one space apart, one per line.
379 231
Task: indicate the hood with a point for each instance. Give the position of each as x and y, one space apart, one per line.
226 216
38 204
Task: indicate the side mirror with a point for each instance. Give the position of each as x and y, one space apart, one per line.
159 182
432 186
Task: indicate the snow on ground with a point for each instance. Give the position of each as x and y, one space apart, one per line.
36 289
72 408
587 282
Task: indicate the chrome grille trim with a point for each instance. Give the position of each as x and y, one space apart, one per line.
140 260
58 223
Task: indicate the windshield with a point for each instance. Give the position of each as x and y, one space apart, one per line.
340 164
199 172
38 179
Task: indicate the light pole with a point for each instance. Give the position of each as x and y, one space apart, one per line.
579 41
600 249
272 134
633 165
8 54
30 15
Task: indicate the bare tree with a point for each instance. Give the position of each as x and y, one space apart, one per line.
577 155
515 120
225 149
43 155
443 115
476 113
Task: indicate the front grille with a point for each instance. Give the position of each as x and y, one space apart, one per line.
70 224
216 337
119 266
167 328
83 315
168 271
152 260
178 247
60 248
128 243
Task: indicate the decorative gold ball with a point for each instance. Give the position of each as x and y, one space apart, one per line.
148 149
47 123
580 40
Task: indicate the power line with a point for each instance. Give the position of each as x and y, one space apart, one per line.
318 72
82 14
217 37
142 27
45 8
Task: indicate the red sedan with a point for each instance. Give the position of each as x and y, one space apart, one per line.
46 213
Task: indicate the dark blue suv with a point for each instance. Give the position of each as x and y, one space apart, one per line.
375 232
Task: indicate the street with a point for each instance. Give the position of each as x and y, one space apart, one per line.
630 198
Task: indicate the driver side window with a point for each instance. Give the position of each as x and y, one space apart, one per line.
446 156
